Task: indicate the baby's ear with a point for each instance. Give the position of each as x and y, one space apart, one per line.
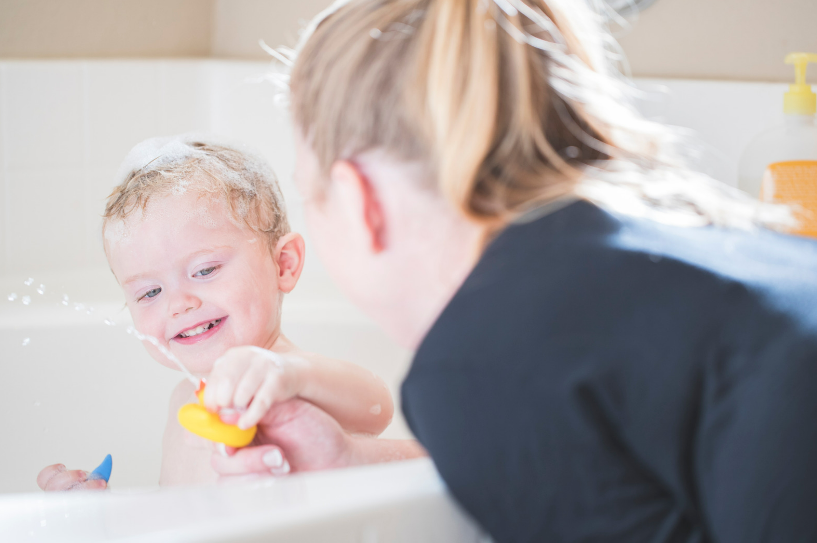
289 257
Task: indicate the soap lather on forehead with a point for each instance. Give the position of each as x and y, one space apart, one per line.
213 169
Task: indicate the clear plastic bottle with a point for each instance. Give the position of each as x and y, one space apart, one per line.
780 164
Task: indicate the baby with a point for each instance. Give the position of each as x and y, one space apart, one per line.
197 236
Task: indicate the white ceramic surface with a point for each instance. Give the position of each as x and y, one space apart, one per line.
398 502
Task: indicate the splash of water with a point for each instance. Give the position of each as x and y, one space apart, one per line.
12 296
26 300
41 289
28 281
64 299
165 352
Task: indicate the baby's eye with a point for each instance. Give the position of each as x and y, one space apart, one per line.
205 271
152 293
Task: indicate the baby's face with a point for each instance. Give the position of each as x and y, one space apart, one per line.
195 280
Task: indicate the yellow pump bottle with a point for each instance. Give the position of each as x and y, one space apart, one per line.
780 164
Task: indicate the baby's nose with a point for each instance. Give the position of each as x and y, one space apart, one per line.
184 304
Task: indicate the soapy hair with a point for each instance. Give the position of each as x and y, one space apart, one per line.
204 165
510 103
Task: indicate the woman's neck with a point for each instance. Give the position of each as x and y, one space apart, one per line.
450 249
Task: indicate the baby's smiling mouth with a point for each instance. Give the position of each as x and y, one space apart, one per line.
200 329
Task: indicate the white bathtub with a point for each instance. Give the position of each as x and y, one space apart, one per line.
398 502
81 389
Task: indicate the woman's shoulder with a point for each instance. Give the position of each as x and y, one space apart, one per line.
584 272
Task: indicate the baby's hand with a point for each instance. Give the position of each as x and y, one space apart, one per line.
56 477
252 379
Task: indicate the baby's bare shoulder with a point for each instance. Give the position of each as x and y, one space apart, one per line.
183 393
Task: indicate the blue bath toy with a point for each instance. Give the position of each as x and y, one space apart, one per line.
103 471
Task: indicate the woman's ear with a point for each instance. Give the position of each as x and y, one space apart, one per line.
289 259
361 203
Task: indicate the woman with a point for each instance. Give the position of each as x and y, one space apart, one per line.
609 346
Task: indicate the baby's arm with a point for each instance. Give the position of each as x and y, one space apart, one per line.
248 377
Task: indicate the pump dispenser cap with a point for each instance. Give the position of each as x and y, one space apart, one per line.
800 100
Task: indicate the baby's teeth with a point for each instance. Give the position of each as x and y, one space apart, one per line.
199 330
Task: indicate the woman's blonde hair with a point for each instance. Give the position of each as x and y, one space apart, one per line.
206 166
510 103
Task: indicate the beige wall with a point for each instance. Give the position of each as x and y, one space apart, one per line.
239 24
708 39
105 28
722 39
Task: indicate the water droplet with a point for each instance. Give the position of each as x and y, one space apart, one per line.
37 403
26 300
90 310
129 329
79 307
109 321
28 281
572 152
12 296
26 341
41 289
64 299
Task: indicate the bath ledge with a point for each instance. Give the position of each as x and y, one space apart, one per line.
400 501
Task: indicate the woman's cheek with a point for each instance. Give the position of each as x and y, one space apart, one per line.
320 230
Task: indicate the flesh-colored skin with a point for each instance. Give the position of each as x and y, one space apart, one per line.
198 266
398 251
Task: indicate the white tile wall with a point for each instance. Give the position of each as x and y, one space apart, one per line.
122 107
184 104
44 227
725 116
43 115
66 125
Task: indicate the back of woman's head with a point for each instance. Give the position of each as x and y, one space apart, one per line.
508 103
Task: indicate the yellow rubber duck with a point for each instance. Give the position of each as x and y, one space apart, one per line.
195 418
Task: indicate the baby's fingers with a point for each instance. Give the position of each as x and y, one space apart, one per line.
226 374
70 480
249 385
261 403
49 473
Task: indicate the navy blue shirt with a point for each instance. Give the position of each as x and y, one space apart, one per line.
604 378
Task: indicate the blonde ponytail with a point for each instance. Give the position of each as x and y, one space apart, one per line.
460 55
510 103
